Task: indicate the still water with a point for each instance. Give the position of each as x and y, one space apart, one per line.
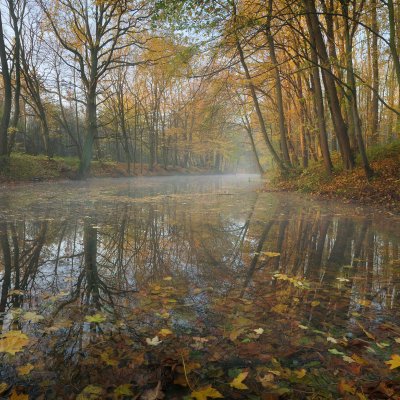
195 287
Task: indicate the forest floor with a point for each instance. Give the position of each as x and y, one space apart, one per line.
382 190
25 168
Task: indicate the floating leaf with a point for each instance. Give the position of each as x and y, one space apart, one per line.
3 387
336 352
270 254
32 317
15 292
105 357
155 341
96 318
123 390
18 396
25 369
13 342
206 392
153 394
91 392
301 373
394 362
237 383
165 332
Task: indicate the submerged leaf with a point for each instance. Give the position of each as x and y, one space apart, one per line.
237 383
91 392
206 392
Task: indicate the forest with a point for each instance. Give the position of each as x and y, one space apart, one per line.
200 84
199 199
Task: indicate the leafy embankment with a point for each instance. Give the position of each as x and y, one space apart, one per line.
24 167
383 189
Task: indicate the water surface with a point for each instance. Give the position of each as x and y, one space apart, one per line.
151 287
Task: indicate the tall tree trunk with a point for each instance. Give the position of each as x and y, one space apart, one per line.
7 102
330 85
375 74
353 91
91 133
17 67
249 131
278 88
393 43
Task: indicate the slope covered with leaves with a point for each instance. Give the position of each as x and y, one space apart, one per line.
352 186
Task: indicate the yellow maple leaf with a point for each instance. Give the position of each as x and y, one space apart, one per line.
18 396
205 392
394 362
237 383
165 332
13 342
25 369
301 373
32 317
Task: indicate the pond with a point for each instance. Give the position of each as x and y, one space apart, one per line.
195 287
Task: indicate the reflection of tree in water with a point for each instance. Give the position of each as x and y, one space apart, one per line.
135 244
99 262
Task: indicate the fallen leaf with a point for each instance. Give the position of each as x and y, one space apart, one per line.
153 394
165 332
3 387
155 341
123 390
32 317
266 380
204 393
96 318
91 392
394 362
301 373
237 383
259 331
18 396
270 254
13 342
25 369
336 352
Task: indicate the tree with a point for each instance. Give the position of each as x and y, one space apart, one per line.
94 33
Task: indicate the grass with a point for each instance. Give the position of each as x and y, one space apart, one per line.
24 168
383 189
